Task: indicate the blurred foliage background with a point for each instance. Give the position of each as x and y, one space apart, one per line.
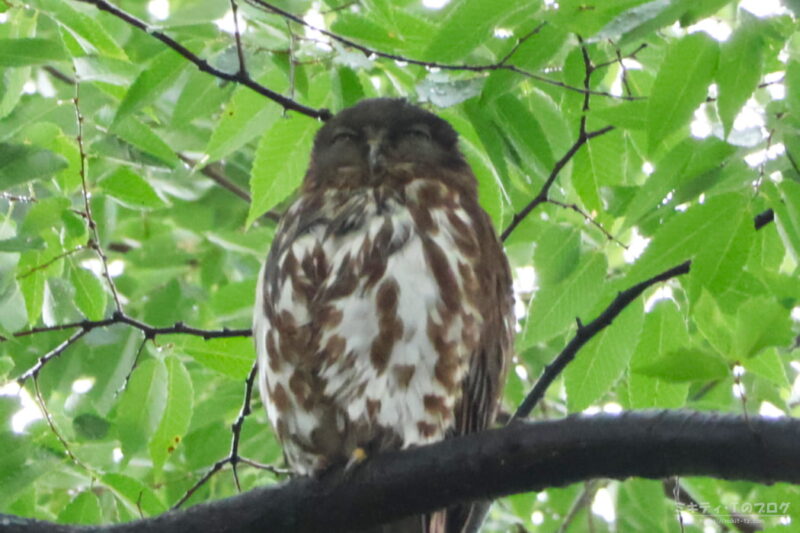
653 132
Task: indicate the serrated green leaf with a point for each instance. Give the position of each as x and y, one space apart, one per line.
741 62
21 164
685 364
177 413
630 20
452 42
526 134
131 190
90 295
768 364
142 406
83 509
105 69
681 164
555 307
147 139
720 259
29 51
151 83
88 32
246 116
557 253
279 164
134 494
680 86
760 323
684 235
603 360
232 357
713 324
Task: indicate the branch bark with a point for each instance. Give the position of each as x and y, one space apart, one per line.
525 456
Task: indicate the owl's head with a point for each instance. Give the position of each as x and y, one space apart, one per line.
379 141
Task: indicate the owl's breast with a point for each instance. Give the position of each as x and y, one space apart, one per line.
370 322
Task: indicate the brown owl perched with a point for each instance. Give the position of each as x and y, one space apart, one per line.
383 314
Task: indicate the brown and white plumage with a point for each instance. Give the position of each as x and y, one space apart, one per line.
383 314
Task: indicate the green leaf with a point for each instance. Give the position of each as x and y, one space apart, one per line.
526 134
131 190
720 260
768 364
142 406
793 85
89 33
21 164
603 360
232 357
452 42
684 235
785 201
246 116
134 494
681 164
713 324
760 323
741 62
89 426
279 163
557 253
20 244
29 51
105 69
83 509
686 364
680 86
151 83
146 138
664 331
90 295
555 307
630 20
177 413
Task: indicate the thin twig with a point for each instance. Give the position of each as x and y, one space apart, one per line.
50 422
216 176
204 66
150 332
588 331
370 52
94 241
238 37
236 433
51 261
588 219
557 168
52 354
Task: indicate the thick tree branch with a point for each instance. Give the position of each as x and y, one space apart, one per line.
526 456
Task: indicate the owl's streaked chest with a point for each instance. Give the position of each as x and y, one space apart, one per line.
368 317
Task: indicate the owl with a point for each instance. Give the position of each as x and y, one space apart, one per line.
383 316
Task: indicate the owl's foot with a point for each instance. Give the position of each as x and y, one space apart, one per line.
358 456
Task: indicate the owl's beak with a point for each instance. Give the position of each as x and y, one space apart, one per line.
375 157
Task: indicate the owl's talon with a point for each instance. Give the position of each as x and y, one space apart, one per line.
358 456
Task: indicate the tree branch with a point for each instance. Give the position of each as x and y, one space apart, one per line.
586 332
526 456
240 77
